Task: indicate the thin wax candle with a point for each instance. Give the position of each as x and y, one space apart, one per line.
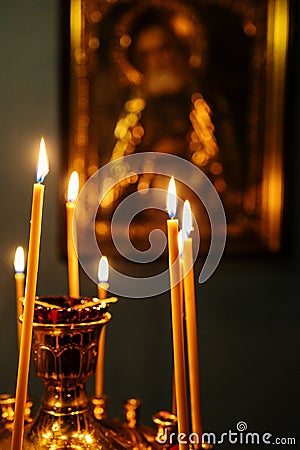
177 318
19 265
30 292
103 285
73 267
191 322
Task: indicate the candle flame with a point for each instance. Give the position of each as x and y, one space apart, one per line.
103 270
182 236
19 262
171 198
43 164
187 220
73 187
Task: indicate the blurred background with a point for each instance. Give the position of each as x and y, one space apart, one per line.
248 311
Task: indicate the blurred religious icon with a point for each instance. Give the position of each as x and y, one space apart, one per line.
165 110
188 78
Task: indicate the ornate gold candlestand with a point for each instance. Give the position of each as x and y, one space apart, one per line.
65 347
65 355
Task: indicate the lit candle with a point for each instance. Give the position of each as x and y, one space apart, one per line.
180 249
177 319
19 265
191 322
102 291
103 270
73 269
30 292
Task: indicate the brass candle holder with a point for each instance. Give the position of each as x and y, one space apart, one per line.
64 348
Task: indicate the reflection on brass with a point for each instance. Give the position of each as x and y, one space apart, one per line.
207 446
96 302
46 305
166 424
129 433
203 80
131 408
100 405
7 409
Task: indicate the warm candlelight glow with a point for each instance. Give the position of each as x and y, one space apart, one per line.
182 236
73 267
73 187
187 221
19 265
171 198
102 291
43 164
103 270
19 262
